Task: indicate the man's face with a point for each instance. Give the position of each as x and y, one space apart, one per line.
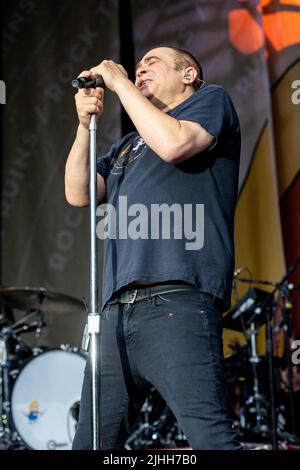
156 75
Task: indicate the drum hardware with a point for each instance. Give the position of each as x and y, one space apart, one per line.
256 403
45 399
248 309
142 436
4 412
39 388
74 410
8 437
22 325
40 299
247 316
156 427
168 431
41 400
256 308
286 327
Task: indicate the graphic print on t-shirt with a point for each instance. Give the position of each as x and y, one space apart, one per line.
128 154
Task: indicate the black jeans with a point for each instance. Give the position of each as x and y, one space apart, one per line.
173 342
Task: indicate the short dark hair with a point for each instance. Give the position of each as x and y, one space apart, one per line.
184 59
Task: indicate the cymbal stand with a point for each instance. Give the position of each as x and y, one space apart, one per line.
256 401
286 317
141 437
266 308
5 428
3 393
21 326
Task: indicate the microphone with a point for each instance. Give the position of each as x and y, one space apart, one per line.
88 82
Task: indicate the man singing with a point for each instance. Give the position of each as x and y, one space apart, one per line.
167 282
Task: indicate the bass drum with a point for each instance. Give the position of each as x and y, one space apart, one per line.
45 399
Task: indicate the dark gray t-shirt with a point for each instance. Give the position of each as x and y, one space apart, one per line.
190 237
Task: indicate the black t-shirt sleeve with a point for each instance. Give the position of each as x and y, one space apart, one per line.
103 162
212 108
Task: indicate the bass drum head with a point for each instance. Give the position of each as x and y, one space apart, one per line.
45 400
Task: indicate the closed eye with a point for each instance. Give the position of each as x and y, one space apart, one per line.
148 61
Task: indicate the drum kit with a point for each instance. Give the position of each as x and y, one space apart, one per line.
39 388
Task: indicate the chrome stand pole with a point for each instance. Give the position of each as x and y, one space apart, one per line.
94 320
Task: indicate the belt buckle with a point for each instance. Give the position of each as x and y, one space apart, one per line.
131 301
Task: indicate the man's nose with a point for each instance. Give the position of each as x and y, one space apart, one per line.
141 71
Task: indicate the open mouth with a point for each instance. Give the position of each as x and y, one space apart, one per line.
144 82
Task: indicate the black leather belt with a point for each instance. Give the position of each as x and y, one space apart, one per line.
130 296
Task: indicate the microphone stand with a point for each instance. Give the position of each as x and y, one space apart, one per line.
94 318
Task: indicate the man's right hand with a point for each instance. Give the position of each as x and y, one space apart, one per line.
88 101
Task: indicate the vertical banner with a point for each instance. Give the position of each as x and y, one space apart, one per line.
45 241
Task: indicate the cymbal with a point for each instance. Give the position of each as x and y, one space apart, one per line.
39 298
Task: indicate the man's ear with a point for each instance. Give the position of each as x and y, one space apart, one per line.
189 76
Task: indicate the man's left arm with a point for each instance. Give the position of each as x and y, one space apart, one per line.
173 140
